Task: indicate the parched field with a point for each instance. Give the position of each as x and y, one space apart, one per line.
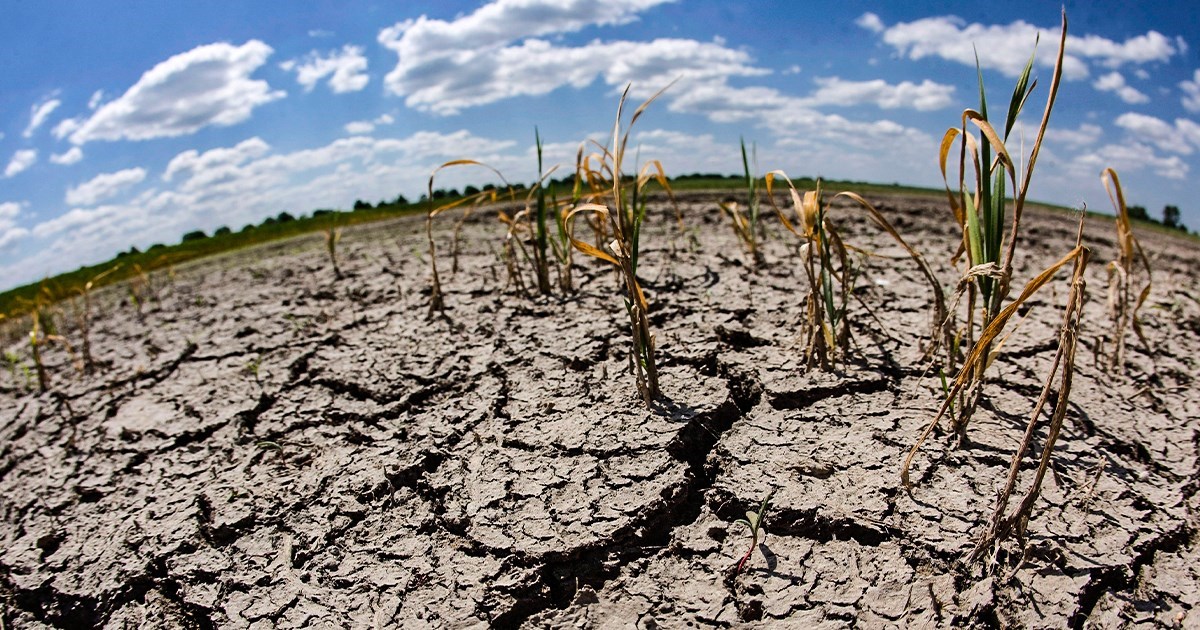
268 447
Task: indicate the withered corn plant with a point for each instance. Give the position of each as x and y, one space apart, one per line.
981 214
988 278
43 332
745 224
333 234
85 319
831 281
36 340
622 206
436 300
1003 523
824 330
531 225
1123 307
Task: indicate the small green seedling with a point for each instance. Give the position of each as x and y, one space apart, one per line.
754 521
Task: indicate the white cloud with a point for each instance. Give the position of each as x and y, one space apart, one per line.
9 232
446 80
319 33
208 85
20 161
1115 82
73 155
1152 46
1086 135
215 159
358 127
1006 47
38 115
104 186
1128 157
493 54
924 97
1191 93
96 99
243 183
1177 138
346 69
871 22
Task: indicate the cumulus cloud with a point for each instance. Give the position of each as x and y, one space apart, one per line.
1085 135
925 96
1191 93
367 126
1128 157
104 186
20 161
358 127
1178 138
1006 47
38 115
216 159
871 22
9 232
208 85
242 183
346 69
73 155
494 54
1115 82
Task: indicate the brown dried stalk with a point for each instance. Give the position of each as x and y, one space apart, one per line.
1122 307
1003 524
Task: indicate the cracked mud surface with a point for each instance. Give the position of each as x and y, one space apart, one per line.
270 448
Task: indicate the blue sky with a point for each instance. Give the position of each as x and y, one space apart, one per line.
129 123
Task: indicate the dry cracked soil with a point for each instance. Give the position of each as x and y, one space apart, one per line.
267 447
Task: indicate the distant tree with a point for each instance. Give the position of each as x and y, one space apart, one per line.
470 190
321 213
195 235
269 221
249 227
155 247
1171 217
284 217
440 193
359 204
133 251
489 187
400 200
222 231
1138 212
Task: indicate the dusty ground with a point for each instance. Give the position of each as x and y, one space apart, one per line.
271 448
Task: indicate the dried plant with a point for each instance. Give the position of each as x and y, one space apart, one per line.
623 209
981 215
85 319
1003 523
333 234
1122 306
436 301
745 224
825 330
